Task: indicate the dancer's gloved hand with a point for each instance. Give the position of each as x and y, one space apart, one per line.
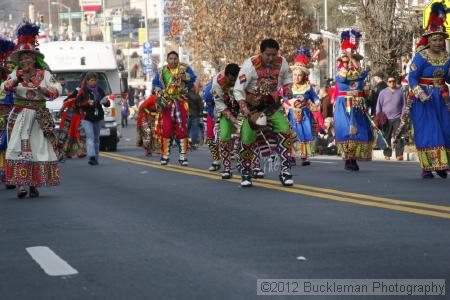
423 97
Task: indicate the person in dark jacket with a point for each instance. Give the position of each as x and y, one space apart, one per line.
91 98
195 114
380 84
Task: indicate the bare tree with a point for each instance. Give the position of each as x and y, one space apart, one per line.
230 30
389 29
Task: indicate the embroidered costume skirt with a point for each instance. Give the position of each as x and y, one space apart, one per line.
303 143
431 123
69 138
30 157
357 146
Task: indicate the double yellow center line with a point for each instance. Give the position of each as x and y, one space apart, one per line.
419 208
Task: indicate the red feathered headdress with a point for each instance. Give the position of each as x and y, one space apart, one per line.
302 60
436 20
435 25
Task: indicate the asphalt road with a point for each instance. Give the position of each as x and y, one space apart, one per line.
135 230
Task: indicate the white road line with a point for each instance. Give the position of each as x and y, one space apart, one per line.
51 263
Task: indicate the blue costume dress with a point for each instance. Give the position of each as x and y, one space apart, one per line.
349 110
300 118
6 104
431 118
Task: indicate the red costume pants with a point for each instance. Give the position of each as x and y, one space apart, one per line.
174 120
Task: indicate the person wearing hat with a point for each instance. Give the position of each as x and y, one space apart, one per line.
30 158
428 107
299 113
379 85
6 104
353 128
256 90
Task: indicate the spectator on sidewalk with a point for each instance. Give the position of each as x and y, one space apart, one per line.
325 142
389 108
325 100
195 114
124 110
379 85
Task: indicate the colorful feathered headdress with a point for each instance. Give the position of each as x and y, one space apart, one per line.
27 34
436 20
435 25
350 40
302 60
349 44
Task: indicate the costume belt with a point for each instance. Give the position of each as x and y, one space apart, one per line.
432 82
355 93
36 104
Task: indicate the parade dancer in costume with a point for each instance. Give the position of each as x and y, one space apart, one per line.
6 104
299 113
212 140
256 90
429 98
149 125
30 157
226 111
70 142
353 128
171 84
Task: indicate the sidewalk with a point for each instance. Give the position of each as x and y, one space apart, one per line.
377 155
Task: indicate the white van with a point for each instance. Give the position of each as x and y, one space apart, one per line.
69 60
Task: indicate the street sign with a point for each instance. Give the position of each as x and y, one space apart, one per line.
117 23
148 47
142 36
73 15
148 70
148 61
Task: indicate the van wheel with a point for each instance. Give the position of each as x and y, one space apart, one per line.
112 146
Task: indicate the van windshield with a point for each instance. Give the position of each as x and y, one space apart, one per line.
71 80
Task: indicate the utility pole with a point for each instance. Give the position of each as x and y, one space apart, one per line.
49 16
146 20
161 32
325 12
31 13
147 35
317 15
